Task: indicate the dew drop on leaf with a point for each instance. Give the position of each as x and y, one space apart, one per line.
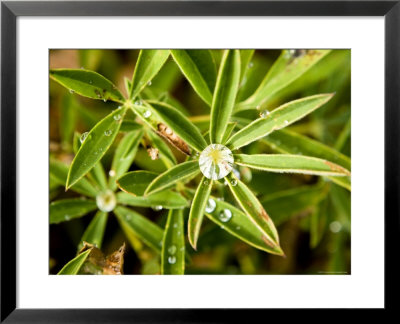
233 182
225 215
84 137
211 204
71 91
149 83
171 259
250 65
147 114
157 208
172 249
286 122
265 113
108 132
138 103
106 200
117 117
111 173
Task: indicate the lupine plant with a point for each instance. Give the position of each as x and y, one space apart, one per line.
202 156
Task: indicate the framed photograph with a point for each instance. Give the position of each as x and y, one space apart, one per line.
197 161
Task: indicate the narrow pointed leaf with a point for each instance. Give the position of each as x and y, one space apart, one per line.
179 124
180 172
67 209
288 142
197 210
165 199
254 210
173 248
124 155
224 94
284 71
99 176
165 152
73 266
130 126
277 119
94 233
245 58
290 164
240 226
87 83
95 146
229 129
198 66
136 182
59 172
318 222
134 223
147 66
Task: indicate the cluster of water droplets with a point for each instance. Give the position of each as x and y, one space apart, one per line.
172 258
224 215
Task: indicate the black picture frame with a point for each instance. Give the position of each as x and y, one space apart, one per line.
10 10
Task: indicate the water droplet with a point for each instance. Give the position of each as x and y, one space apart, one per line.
157 208
172 249
138 103
205 183
128 217
258 107
234 182
216 161
265 113
250 65
175 225
286 122
84 137
335 227
106 200
182 248
196 155
117 117
149 83
108 132
171 259
238 227
105 100
211 204
225 215
111 173
67 217
71 91
179 232
147 114
90 82
82 68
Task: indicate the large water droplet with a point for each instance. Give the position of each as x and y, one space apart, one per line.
108 132
225 215
171 259
84 137
106 200
147 114
172 249
211 204
216 161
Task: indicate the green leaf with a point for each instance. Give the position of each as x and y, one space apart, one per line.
87 83
136 182
95 231
179 124
173 250
291 164
73 266
67 120
99 176
96 144
255 211
147 66
318 222
197 210
133 223
130 126
224 94
180 172
67 209
229 129
245 58
285 70
238 225
124 155
165 152
288 142
301 199
165 199
198 66
277 119
59 172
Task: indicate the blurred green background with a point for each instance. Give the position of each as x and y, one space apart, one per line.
312 214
